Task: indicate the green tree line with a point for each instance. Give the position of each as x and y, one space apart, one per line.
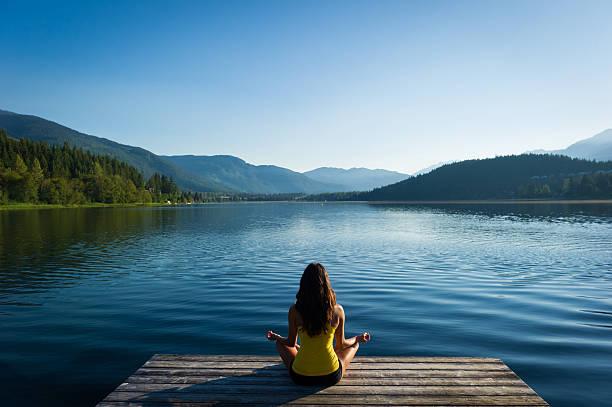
505 177
596 185
35 172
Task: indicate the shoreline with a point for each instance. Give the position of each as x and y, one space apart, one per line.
28 206
20 206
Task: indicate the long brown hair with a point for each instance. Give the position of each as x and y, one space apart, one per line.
315 299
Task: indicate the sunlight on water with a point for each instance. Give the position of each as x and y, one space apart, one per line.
87 295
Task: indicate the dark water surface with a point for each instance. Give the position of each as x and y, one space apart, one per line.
87 295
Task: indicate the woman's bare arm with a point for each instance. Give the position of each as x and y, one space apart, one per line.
341 341
291 339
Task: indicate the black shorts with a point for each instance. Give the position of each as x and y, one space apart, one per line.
325 380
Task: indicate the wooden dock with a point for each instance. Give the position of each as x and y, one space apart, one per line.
199 380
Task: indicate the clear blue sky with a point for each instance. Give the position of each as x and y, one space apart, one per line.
382 84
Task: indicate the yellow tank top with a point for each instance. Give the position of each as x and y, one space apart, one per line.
316 356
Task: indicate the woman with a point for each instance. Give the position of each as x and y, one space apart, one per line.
317 319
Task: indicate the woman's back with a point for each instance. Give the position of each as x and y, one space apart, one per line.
316 355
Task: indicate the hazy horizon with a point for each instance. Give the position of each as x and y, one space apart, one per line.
392 85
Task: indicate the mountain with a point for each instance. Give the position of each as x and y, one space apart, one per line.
195 173
39 129
598 147
355 179
504 177
432 167
242 176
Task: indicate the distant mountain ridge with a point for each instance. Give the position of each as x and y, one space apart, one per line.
195 173
231 174
355 179
239 175
597 147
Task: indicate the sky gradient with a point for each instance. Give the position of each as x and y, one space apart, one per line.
397 85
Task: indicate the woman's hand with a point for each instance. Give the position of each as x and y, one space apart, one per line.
273 336
363 338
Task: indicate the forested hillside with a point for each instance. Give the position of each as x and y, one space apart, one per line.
507 177
35 172
35 128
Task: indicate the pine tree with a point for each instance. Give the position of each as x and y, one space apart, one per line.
20 166
36 172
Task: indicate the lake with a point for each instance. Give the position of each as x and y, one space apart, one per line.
88 295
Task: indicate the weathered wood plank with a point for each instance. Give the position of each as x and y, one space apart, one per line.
358 359
169 397
354 365
349 380
346 389
350 373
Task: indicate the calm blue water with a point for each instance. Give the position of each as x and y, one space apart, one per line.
87 295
